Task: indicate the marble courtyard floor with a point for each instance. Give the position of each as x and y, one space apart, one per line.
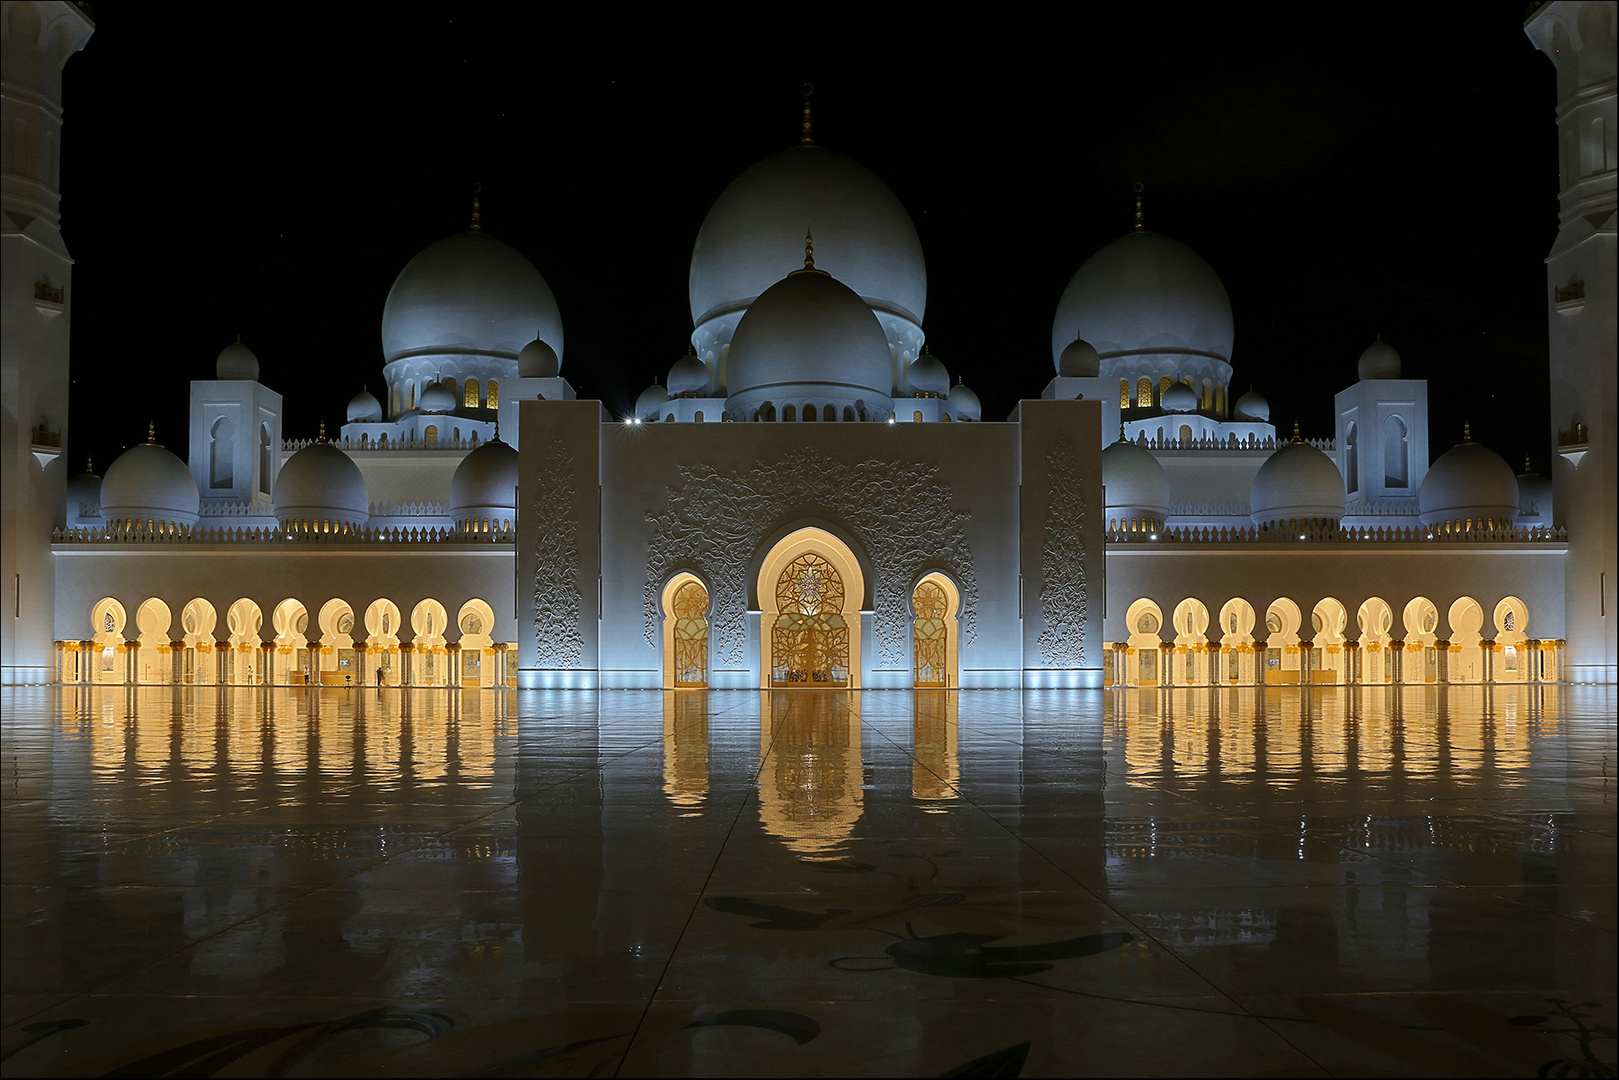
232 882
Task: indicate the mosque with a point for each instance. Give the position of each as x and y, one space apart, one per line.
808 499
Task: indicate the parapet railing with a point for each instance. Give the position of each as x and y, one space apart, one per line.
179 535
1328 532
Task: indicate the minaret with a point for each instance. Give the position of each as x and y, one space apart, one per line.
1578 38
40 36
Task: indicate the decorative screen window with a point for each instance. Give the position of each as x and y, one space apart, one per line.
690 634
810 646
930 633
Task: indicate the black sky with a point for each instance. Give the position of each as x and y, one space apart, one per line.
266 170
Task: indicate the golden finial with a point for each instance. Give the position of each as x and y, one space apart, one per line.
1296 436
151 432
1140 224
806 135
1121 430
497 427
477 218
1467 431
90 465
322 436
1525 463
809 258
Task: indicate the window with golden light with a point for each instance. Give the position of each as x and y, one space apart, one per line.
691 634
930 634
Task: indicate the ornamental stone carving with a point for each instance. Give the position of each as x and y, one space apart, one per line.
1062 563
557 600
901 513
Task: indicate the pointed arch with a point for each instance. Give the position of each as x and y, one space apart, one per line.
810 588
685 604
1145 621
935 632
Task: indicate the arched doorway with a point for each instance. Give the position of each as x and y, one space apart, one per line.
1191 655
935 637
477 655
429 657
1143 663
1329 623
289 664
1282 622
154 660
382 622
1376 620
1512 659
198 621
810 589
1237 620
1466 660
109 652
243 620
685 632
337 666
1421 638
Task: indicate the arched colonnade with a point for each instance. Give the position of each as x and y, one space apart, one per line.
293 644
1377 643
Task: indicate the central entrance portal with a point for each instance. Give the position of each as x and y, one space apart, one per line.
811 588
810 646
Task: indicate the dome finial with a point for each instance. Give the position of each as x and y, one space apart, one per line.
322 436
1121 430
90 465
1526 467
151 432
497 427
1467 431
1140 225
477 217
1296 436
806 136
809 251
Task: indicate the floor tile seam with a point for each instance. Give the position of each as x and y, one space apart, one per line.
697 901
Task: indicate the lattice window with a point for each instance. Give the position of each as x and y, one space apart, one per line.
930 633
491 398
691 634
1144 394
810 645
470 400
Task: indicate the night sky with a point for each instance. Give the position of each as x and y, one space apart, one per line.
267 170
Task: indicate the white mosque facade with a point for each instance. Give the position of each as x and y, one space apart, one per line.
808 500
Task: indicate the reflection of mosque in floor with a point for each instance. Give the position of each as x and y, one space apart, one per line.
808 500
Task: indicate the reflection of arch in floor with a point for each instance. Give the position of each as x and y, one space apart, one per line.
1465 664
813 646
935 633
684 604
154 659
1189 665
1238 663
1143 664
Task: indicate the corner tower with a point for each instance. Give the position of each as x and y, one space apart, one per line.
37 37
1579 39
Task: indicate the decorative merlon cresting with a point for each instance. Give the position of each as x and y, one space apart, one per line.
901 512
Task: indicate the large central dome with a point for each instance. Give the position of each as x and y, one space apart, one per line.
468 294
757 226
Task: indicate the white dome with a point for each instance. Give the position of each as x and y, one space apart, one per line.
1252 406
364 408
1297 482
756 227
809 336
1534 497
436 399
468 294
1469 481
964 404
149 483
1379 361
927 375
320 483
689 375
236 361
1079 360
1145 295
538 361
1133 483
1179 398
485 484
649 405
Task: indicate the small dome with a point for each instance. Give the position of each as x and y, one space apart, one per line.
485 484
84 495
810 334
468 294
318 484
1145 295
1297 482
1134 485
964 404
1534 497
436 399
1179 398
927 376
236 361
148 483
1468 482
1252 407
1379 361
364 408
649 406
689 375
1079 361
538 361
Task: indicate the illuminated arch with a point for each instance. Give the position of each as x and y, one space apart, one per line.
476 621
154 662
1466 659
107 619
1329 626
382 623
290 662
1190 658
809 544
430 656
1237 620
1421 619
1376 620
685 604
197 622
935 632
1511 620
1145 621
243 621
1282 657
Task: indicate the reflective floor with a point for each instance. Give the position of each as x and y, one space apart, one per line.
233 882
